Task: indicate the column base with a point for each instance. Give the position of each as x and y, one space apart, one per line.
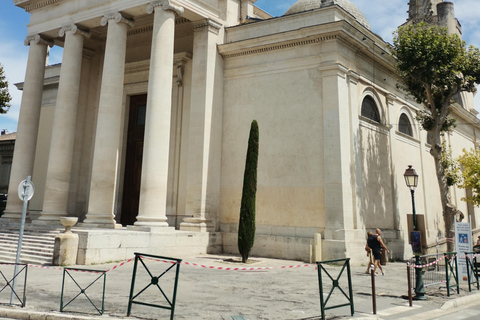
50 223
194 224
150 228
97 220
51 216
154 222
11 216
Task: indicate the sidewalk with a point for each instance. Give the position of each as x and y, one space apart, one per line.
214 292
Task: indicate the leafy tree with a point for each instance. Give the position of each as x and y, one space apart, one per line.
433 67
246 227
4 95
470 162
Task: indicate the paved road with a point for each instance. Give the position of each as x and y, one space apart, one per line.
214 293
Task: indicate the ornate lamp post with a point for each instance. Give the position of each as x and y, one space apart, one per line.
411 179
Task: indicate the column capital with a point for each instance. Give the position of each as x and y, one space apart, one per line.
73 28
119 18
166 5
211 25
36 38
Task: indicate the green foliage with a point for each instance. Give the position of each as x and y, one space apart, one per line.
4 95
450 166
433 66
428 122
470 162
246 227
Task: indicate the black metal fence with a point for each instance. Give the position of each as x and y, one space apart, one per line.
335 282
80 289
438 269
153 281
14 293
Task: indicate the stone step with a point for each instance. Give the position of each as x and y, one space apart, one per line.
37 246
26 238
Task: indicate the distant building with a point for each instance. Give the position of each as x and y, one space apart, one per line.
145 125
7 144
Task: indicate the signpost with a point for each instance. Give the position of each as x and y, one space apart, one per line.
25 193
463 243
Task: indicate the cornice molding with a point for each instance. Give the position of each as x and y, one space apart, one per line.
278 47
41 4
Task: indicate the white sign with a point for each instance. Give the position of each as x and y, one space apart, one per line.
463 243
26 190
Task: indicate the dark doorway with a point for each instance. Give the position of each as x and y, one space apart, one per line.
133 160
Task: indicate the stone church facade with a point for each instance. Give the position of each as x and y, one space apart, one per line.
142 130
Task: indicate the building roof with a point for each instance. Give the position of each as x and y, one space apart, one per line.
306 5
8 136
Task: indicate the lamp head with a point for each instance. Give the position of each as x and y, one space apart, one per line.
411 178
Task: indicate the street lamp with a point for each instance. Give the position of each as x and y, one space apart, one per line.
411 179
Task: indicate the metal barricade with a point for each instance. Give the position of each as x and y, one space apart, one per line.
335 284
154 282
440 268
83 290
472 270
9 283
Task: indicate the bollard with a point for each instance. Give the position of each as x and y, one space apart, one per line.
409 281
374 296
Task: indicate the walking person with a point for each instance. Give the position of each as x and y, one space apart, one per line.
375 243
369 252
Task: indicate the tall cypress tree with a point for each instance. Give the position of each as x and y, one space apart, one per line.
246 227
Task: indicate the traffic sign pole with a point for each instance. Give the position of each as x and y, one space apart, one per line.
25 193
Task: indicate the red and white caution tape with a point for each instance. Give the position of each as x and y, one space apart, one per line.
229 268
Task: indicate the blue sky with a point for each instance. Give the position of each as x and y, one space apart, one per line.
384 17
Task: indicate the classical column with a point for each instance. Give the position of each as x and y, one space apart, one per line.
109 123
26 141
203 184
154 185
60 157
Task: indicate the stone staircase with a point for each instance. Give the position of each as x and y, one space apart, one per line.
37 245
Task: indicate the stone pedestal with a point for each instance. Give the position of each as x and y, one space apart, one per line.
65 250
66 244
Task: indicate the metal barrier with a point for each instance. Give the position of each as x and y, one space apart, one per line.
472 269
437 269
83 290
335 284
10 282
154 281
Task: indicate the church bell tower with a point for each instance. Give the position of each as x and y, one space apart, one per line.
437 12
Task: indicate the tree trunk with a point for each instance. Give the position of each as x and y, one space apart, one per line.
448 212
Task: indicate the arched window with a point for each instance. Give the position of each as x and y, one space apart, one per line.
404 125
370 110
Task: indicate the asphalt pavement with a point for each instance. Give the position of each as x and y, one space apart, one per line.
219 287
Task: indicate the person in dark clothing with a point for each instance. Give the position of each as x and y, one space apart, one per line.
375 244
369 252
